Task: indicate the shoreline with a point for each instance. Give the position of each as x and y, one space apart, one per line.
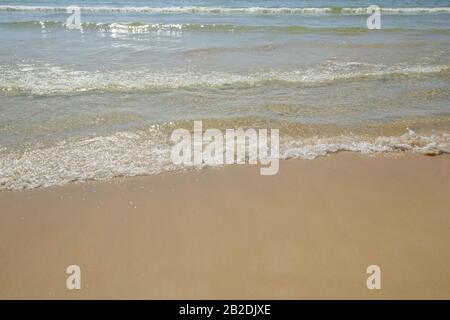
228 233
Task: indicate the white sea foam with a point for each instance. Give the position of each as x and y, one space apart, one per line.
311 148
98 158
171 29
224 10
147 152
54 79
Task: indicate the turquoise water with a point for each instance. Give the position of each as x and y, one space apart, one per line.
102 102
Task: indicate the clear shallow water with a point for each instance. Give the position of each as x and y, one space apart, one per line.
102 103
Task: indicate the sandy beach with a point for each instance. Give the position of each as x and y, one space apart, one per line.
308 232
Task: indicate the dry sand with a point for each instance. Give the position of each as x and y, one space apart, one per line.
229 233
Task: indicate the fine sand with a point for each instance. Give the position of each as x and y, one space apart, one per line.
309 232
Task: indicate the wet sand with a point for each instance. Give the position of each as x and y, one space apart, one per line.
309 232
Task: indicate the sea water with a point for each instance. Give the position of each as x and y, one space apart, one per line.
102 101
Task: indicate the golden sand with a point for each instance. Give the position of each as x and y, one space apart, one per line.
309 232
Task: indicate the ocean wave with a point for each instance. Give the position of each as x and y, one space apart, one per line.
147 152
226 10
49 79
143 28
311 148
114 27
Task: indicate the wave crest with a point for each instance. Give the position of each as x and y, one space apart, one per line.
147 152
226 10
53 79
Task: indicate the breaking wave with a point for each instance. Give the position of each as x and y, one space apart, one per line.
46 79
226 10
147 152
311 148
143 28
